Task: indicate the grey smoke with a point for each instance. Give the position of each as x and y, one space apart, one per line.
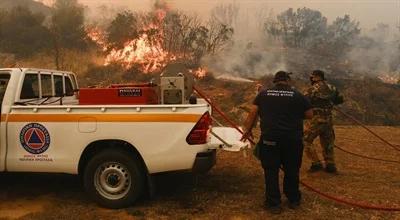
250 54
377 52
249 59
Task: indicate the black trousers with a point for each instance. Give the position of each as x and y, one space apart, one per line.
285 152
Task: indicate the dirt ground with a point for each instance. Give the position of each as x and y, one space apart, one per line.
233 189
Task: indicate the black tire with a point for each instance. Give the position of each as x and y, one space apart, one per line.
109 171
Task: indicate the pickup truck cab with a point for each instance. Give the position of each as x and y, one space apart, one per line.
114 148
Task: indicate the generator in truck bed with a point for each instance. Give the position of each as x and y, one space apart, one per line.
175 87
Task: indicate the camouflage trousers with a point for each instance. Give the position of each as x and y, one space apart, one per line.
324 130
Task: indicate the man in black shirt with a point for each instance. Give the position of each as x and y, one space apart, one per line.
281 110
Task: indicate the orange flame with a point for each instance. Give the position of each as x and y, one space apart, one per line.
391 79
97 35
144 53
199 73
150 58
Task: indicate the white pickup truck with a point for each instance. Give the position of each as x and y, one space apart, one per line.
114 148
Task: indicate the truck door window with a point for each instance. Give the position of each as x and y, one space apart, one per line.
47 90
69 90
30 87
4 78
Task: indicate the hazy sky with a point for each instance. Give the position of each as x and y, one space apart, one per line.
368 12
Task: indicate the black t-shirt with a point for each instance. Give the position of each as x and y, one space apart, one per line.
281 110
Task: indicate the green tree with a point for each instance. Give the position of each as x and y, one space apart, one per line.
123 28
22 32
341 34
67 28
298 28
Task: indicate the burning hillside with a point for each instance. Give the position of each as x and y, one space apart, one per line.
149 41
148 54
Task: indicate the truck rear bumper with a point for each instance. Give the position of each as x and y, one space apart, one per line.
204 161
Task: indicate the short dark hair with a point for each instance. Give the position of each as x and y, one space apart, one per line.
281 76
319 73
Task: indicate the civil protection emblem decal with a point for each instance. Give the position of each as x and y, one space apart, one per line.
34 138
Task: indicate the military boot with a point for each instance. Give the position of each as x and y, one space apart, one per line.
330 168
294 205
315 167
274 209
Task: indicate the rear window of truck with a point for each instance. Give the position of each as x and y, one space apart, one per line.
33 89
47 88
30 87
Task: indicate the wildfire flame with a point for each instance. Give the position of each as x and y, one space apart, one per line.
391 79
143 53
150 58
97 35
199 73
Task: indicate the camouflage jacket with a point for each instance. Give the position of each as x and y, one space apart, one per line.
322 96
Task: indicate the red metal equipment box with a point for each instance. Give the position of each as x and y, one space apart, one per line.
126 94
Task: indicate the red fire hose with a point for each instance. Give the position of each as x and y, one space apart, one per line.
334 198
252 142
366 157
348 202
366 128
368 141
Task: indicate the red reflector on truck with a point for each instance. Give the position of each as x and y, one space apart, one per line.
200 132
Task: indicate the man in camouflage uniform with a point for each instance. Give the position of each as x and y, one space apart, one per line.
323 97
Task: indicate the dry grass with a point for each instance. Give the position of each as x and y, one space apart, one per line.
232 190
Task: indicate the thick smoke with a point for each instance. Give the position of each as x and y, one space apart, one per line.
250 53
249 59
377 53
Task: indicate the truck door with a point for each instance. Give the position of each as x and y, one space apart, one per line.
38 134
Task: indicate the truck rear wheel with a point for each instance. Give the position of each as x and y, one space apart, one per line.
114 178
